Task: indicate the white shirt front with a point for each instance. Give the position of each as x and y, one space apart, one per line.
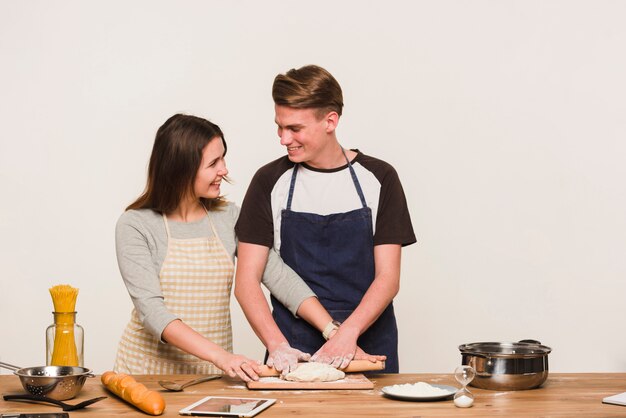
324 193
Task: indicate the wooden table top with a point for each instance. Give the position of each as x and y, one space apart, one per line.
563 395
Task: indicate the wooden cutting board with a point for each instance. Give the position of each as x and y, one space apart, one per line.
351 381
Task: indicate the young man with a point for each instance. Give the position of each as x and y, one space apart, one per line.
339 218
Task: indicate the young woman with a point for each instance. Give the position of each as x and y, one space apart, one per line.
175 249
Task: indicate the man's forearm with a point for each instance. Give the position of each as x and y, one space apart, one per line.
381 292
374 302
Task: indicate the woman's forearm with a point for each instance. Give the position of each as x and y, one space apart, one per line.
284 284
181 335
251 261
312 311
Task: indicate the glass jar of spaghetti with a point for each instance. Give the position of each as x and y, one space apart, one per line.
64 341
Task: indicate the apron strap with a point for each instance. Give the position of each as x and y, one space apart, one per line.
217 237
167 227
355 179
292 185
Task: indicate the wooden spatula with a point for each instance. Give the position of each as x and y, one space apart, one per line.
354 366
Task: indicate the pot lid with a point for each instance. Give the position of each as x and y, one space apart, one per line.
506 349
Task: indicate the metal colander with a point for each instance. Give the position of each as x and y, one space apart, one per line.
56 382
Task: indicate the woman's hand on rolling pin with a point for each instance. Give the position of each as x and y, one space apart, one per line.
237 365
284 358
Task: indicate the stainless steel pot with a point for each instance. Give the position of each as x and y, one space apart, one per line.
55 382
507 366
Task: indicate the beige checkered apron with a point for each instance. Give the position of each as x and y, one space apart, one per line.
196 280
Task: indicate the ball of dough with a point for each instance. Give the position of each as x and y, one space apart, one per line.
315 372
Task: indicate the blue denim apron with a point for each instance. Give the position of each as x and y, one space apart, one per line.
334 254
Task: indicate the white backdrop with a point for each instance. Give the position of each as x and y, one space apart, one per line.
505 120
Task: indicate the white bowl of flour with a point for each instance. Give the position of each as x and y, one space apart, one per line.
419 391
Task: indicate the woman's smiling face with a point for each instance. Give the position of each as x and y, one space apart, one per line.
211 171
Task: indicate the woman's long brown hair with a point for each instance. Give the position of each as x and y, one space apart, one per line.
176 156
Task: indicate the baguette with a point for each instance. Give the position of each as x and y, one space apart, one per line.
133 392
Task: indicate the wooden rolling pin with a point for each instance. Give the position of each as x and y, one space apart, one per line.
354 366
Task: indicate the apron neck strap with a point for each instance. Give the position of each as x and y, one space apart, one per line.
167 226
211 223
292 185
355 180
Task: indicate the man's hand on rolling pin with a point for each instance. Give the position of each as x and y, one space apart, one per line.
362 355
284 358
341 349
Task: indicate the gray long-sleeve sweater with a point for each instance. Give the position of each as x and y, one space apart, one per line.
141 246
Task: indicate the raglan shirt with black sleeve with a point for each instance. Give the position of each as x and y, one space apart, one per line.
325 192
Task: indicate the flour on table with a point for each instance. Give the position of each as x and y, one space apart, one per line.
315 372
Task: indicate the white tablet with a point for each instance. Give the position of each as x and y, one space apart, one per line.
227 407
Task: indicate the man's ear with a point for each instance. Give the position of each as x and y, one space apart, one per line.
332 120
